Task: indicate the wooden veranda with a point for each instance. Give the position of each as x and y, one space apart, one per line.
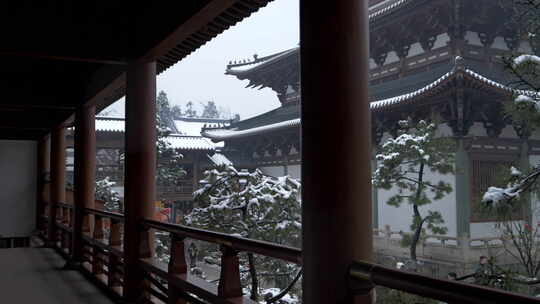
63 61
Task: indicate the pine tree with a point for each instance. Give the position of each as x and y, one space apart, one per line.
169 169
190 111
403 164
210 110
105 193
525 110
176 112
251 205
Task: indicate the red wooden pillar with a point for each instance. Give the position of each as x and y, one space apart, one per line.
84 179
43 170
336 147
140 170
58 178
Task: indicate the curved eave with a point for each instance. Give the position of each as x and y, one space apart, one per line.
224 134
385 105
388 9
242 70
237 12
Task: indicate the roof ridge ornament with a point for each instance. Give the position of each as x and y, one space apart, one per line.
459 64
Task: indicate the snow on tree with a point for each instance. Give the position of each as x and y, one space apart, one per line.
169 169
210 110
522 238
176 111
403 164
105 193
251 205
504 200
190 110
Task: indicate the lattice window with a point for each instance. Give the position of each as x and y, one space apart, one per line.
486 172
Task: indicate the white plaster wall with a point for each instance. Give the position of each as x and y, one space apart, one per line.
400 218
477 130
273 171
295 171
392 57
441 41
18 181
534 160
472 38
525 47
372 63
486 229
499 44
508 132
416 49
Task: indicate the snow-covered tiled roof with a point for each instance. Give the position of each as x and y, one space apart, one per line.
379 105
375 13
387 8
220 160
182 142
193 126
222 134
253 65
110 124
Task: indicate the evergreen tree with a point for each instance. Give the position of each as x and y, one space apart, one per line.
164 112
403 164
190 110
176 112
105 193
210 110
251 205
525 110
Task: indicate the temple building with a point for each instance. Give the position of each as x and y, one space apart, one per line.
435 59
198 153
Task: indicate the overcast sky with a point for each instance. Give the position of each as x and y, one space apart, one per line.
200 77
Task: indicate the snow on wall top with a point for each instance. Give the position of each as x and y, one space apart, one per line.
220 160
182 142
189 128
110 124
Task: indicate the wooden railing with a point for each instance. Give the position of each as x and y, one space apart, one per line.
102 248
182 285
173 283
365 276
103 258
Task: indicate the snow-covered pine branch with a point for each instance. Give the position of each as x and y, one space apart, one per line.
253 205
403 163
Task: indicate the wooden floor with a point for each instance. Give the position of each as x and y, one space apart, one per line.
34 275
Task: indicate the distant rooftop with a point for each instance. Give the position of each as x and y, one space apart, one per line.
189 139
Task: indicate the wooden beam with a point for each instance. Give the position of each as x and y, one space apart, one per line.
191 26
62 57
16 107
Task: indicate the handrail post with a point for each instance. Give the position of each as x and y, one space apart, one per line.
115 233
97 234
177 266
140 171
113 278
229 279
